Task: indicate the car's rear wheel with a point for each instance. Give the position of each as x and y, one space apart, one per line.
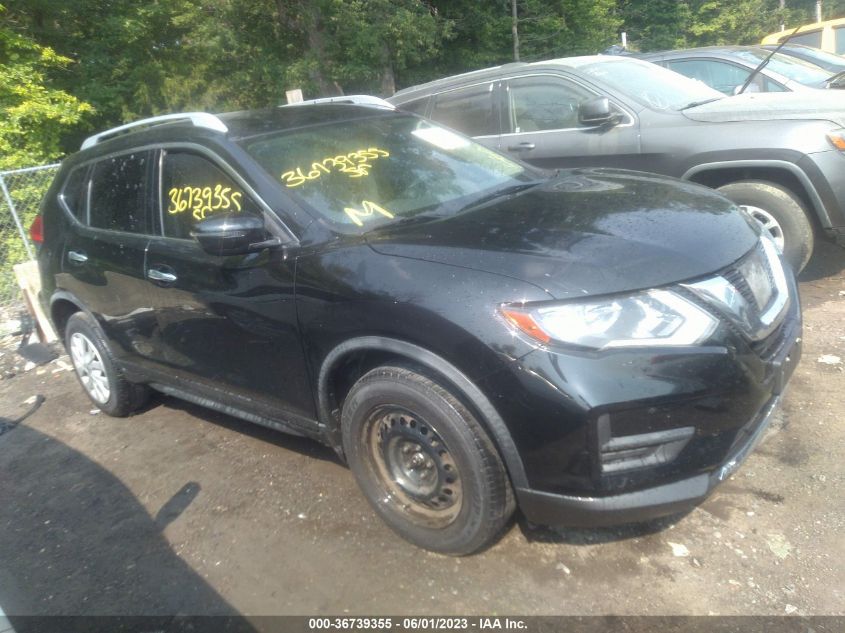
424 462
100 377
780 213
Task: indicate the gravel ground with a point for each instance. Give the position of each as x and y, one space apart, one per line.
182 510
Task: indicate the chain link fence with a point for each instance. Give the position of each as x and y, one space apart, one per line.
22 191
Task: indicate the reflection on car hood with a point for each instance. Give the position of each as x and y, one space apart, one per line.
766 106
587 232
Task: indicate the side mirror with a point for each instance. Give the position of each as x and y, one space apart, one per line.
231 234
597 112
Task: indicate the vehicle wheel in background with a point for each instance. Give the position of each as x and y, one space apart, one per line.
780 213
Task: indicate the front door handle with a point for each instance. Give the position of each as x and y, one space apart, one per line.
521 147
159 275
78 257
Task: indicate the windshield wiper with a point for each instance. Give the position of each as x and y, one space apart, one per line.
763 63
693 104
500 193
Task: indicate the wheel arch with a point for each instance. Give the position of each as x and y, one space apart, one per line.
62 305
779 172
369 352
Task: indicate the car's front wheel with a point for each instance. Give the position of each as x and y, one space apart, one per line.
780 213
424 462
95 367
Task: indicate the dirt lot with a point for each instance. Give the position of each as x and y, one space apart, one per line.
181 510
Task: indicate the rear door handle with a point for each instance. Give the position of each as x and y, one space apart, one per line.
76 256
521 147
160 275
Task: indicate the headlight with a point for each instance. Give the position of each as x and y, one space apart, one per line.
654 317
837 137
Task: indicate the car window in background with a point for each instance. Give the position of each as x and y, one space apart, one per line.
813 38
193 188
417 107
803 72
365 173
650 84
545 103
119 193
470 110
723 76
839 34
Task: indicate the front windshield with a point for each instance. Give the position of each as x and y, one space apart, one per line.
650 84
364 173
792 68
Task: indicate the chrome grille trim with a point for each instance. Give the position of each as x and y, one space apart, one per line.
730 293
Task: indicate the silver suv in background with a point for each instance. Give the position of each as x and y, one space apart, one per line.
779 155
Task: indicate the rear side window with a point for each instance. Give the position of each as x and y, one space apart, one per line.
74 195
194 188
118 200
417 107
468 110
839 32
813 38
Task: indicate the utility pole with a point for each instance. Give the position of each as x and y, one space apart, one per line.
818 10
515 31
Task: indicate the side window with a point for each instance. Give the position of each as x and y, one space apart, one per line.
468 110
813 38
118 200
74 195
193 188
545 103
417 107
839 34
722 76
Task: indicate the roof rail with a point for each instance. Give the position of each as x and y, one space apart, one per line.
199 119
351 99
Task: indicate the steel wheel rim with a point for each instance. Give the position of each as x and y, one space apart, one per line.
89 367
414 467
769 224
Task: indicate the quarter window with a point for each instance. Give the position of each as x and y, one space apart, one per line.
119 193
74 194
813 38
545 103
470 110
193 188
417 107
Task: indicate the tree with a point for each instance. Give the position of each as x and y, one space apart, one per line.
34 115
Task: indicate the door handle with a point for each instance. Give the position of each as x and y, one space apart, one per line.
160 275
521 147
76 256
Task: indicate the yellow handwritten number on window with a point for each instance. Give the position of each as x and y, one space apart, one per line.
368 209
354 164
203 200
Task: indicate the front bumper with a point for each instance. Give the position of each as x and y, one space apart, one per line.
556 509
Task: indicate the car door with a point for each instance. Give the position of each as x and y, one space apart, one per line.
473 110
105 248
543 129
227 325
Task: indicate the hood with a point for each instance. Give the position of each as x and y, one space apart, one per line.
586 232
827 105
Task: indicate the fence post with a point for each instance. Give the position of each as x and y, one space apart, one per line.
14 213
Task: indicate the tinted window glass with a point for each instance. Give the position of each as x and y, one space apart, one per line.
545 103
119 193
193 188
74 194
469 110
417 107
808 39
839 31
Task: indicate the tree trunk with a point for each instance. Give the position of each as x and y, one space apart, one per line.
515 30
388 77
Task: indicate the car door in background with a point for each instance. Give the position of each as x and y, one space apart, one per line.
225 322
543 126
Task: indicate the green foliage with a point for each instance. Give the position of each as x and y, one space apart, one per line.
33 115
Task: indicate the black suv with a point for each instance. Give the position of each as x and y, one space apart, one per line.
467 332
781 156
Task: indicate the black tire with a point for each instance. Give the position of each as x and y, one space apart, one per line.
123 397
785 208
395 415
